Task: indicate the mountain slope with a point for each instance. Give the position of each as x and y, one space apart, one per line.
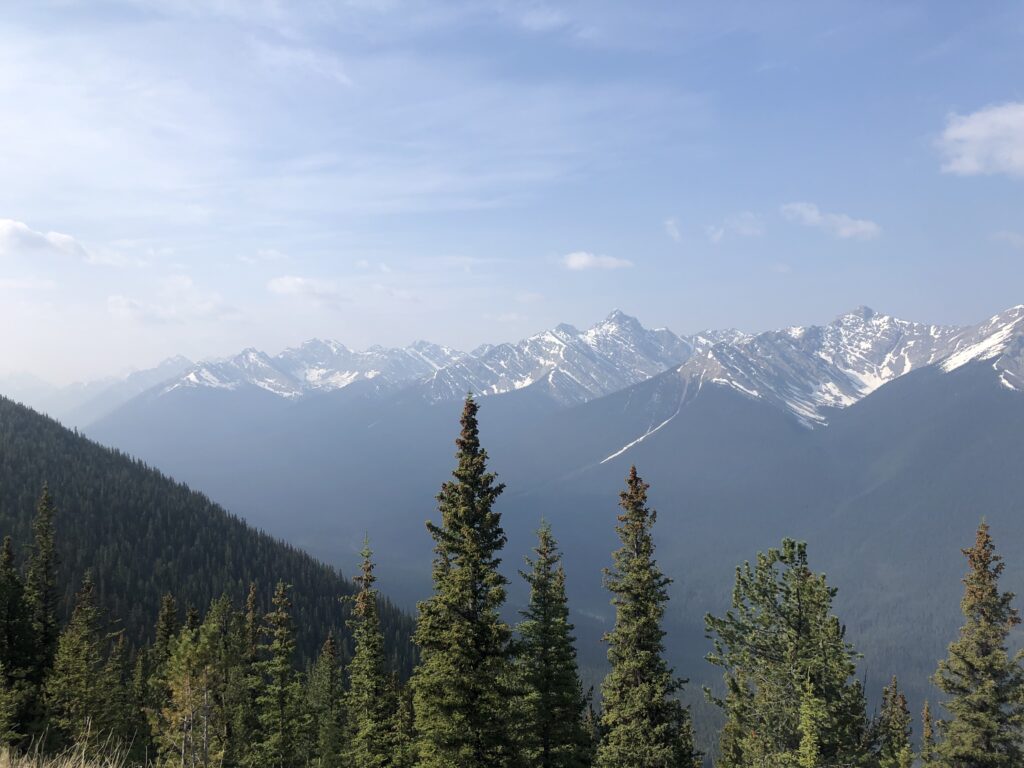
144 534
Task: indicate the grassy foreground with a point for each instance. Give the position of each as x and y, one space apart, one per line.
69 760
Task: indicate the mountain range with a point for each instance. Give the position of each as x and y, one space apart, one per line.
879 440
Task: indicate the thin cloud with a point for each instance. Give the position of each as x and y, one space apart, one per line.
578 261
262 255
17 238
672 229
989 141
180 300
319 292
837 224
743 224
1013 239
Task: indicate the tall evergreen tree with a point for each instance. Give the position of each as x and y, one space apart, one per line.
16 650
779 637
461 688
41 588
370 700
323 699
9 706
166 629
554 731
74 693
643 723
121 711
403 727
894 729
983 683
813 719
929 757
279 703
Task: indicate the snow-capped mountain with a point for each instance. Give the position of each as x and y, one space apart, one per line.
806 370
571 365
810 370
999 339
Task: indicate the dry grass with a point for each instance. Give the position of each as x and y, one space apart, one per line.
67 760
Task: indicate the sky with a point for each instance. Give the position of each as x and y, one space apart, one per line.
187 177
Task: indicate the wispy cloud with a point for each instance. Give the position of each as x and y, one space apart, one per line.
307 60
262 255
672 229
17 238
581 260
322 293
989 141
837 224
180 300
1013 239
743 224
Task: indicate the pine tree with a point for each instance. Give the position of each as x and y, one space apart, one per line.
643 723
780 636
247 685
929 757
279 703
120 713
323 697
813 720
16 651
74 690
9 705
179 734
166 629
41 593
461 689
553 729
155 688
369 703
893 728
403 727
984 684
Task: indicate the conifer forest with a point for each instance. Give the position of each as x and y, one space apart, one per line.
231 683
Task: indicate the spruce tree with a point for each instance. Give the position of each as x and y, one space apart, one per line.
74 689
929 757
166 629
403 727
16 650
120 713
779 637
461 687
155 688
9 706
893 728
41 588
643 723
279 703
554 731
983 683
370 701
323 700
813 720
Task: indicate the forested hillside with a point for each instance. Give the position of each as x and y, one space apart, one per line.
143 535
228 687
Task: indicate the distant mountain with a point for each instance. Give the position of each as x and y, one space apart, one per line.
82 403
880 440
143 534
809 371
572 366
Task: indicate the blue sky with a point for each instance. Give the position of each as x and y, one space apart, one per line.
197 177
